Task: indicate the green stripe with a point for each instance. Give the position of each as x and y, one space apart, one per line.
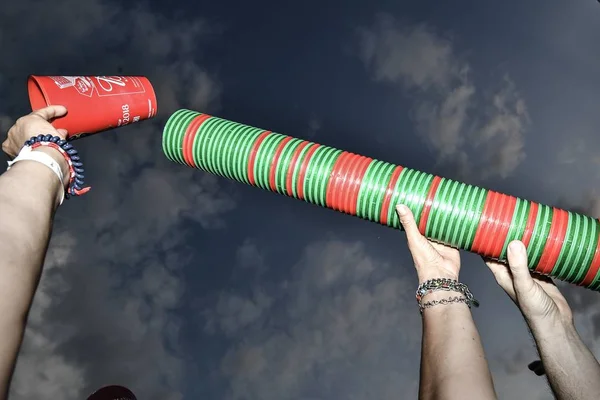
283 165
296 172
392 216
539 235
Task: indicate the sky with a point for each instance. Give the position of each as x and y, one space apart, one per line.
182 285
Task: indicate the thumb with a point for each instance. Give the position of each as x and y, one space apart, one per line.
63 132
419 246
51 112
517 261
409 224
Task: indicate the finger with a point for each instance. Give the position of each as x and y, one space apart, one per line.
63 132
50 112
410 226
421 250
503 277
445 251
517 261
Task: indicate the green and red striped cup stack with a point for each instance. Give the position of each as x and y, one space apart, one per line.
560 244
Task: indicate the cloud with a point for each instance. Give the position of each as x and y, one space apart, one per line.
314 126
447 113
339 328
106 311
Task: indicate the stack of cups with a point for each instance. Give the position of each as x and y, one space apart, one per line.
560 244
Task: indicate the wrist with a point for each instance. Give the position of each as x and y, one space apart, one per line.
427 277
60 160
551 326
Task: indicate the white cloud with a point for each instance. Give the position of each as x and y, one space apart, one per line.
338 329
450 117
106 309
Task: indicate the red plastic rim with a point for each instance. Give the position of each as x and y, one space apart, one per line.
385 209
273 169
302 172
481 235
556 236
355 184
337 176
531 218
253 153
289 179
188 139
428 202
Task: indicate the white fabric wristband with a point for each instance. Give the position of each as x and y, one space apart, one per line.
28 154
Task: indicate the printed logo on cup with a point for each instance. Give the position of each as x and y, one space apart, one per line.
101 85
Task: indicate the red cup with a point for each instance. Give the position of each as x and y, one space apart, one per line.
112 393
94 103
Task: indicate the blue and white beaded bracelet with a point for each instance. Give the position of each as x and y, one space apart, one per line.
70 155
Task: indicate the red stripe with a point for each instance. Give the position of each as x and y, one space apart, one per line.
385 209
338 174
594 267
509 204
483 227
253 153
342 185
302 173
492 218
273 170
563 227
533 211
494 225
556 237
356 184
292 168
345 189
428 202
190 135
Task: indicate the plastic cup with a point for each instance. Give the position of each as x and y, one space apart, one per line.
94 103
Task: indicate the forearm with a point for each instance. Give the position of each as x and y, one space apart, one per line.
28 200
453 363
571 369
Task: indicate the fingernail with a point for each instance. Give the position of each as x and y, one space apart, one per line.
515 247
401 209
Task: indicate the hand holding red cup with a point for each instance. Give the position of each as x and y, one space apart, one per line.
94 103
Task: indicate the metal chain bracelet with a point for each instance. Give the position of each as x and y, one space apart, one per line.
449 300
445 284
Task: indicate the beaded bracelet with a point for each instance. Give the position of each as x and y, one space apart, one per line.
72 158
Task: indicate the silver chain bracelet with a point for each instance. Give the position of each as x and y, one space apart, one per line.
445 284
443 301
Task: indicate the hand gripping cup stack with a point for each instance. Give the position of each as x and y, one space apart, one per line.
560 244
95 103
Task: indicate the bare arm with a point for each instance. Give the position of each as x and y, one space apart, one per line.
571 369
29 195
453 364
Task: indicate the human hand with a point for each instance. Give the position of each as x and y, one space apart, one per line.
536 295
36 123
432 260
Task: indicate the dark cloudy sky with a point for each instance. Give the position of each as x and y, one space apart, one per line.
182 285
